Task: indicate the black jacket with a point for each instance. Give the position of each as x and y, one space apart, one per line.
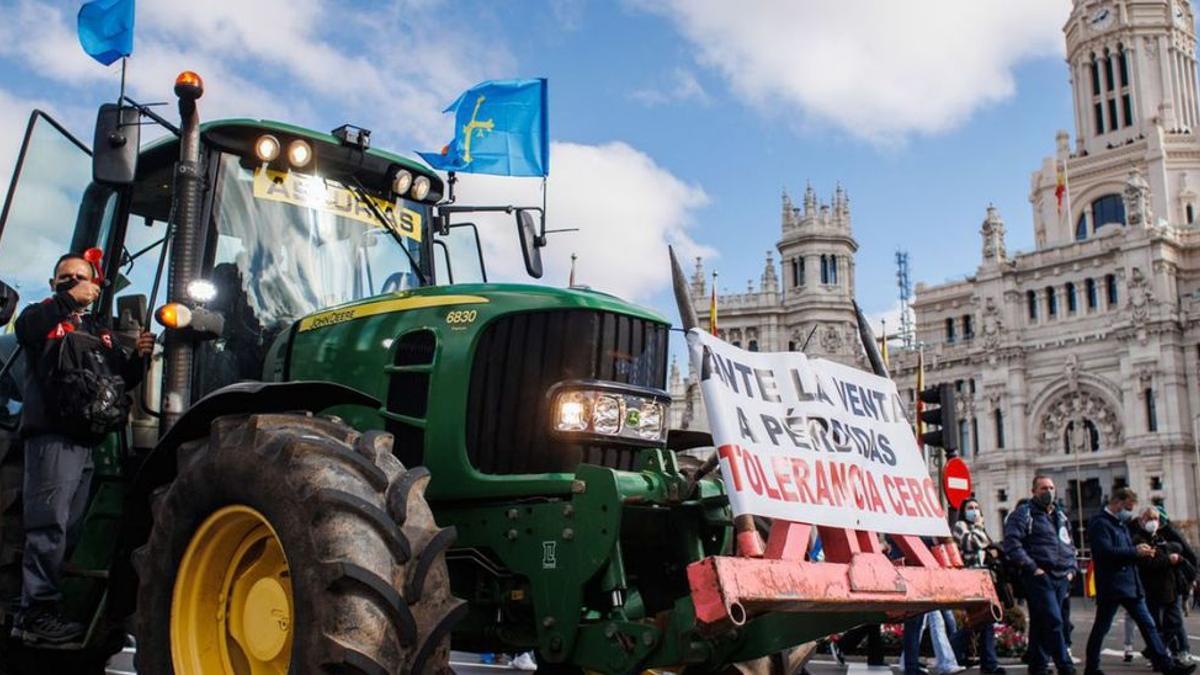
1159 577
1115 557
39 329
1035 539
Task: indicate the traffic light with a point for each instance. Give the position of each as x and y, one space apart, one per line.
939 411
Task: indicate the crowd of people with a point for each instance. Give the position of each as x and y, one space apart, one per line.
1140 564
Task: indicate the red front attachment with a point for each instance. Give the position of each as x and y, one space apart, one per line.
855 577
95 257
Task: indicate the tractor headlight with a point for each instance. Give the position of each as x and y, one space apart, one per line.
201 290
622 413
266 148
299 153
420 188
402 182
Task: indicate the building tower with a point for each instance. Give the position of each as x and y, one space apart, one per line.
1133 67
817 250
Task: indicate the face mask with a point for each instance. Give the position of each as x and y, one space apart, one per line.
1046 498
64 286
1124 515
1151 526
972 515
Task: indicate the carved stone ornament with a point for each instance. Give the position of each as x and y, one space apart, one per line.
1080 405
831 340
1141 298
1137 200
1071 370
992 325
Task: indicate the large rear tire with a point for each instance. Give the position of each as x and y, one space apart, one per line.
293 544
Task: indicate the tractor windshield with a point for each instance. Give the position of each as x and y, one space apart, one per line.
298 243
289 244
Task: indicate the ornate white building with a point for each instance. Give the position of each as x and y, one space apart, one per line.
812 307
1081 358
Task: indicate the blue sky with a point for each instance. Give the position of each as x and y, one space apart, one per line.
674 121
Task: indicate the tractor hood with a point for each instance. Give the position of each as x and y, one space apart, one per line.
511 297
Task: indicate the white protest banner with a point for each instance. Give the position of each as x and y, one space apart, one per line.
813 441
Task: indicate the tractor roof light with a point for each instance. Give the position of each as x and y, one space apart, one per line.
201 290
299 153
174 315
189 85
402 182
353 136
266 148
420 188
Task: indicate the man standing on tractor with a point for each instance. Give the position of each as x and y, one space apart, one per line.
74 395
1037 539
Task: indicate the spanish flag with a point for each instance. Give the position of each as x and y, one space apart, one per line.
883 351
920 386
712 307
1060 184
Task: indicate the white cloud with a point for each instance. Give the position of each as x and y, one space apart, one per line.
877 70
627 209
278 59
681 86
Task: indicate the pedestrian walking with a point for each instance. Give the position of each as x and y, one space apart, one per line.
978 551
1037 540
1118 584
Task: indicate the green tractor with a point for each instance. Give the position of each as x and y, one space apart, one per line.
351 451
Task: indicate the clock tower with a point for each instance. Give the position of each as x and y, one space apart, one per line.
1133 67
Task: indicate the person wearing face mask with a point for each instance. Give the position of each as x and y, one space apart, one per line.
1116 558
1160 578
1037 540
58 462
977 551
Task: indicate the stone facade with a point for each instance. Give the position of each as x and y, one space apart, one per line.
810 303
1081 358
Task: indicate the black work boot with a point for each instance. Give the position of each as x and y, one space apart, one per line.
46 627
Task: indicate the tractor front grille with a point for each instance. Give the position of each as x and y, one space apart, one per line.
518 359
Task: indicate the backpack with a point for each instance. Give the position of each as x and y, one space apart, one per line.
88 396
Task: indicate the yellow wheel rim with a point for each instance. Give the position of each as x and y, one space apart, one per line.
232 609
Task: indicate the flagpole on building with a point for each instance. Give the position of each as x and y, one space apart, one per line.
712 306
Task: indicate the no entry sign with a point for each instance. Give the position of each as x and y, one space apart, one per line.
956 482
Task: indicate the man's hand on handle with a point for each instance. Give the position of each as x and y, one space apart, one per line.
1145 551
145 344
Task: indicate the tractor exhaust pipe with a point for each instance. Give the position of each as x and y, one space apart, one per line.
185 254
749 542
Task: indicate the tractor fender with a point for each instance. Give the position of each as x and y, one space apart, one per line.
159 467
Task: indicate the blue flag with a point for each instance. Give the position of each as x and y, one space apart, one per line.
106 29
500 127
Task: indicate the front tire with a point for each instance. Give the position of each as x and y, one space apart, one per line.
293 544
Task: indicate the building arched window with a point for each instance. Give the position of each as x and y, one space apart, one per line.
1051 302
833 269
1031 300
1190 214
1108 210
753 345
1072 305
791 345
1110 286
998 421
1122 65
1092 441
1081 228
1108 71
824 269
1093 298
950 330
1095 70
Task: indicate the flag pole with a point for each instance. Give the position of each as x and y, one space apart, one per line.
121 98
1067 193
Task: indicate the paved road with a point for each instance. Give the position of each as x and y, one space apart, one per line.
1082 612
1081 615
463 663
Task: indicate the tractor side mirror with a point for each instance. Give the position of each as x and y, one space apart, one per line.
531 242
8 303
131 313
115 146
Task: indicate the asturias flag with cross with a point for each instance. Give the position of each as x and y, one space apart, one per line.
501 127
